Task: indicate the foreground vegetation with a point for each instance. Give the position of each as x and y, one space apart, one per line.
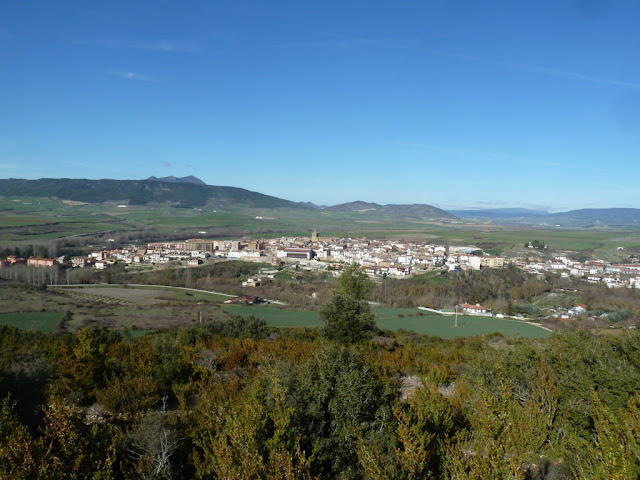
233 398
236 400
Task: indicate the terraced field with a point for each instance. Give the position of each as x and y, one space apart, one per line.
138 295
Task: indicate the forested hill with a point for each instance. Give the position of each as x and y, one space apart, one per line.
185 193
138 192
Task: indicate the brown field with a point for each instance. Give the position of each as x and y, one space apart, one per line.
137 296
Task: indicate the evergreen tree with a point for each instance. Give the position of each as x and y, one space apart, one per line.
347 316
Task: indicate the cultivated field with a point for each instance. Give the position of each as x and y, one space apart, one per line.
405 319
139 295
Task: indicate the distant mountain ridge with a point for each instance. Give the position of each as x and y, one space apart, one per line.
598 216
192 192
138 192
172 179
490 213
356 206
419 211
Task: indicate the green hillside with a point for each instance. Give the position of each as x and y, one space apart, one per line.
138 192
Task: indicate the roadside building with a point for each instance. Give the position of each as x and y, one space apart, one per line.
476 309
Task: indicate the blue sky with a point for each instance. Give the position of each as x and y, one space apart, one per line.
454 103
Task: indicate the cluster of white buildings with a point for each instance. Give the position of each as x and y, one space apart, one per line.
377 257
593 271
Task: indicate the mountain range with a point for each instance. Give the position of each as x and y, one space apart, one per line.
492 213
420 211
193 192
596 216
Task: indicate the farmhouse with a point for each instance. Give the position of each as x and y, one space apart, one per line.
476 309
245 299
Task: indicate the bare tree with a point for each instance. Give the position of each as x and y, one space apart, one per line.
153 444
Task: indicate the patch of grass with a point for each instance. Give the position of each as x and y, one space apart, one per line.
394 313
38 321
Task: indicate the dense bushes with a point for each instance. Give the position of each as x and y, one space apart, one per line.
196 403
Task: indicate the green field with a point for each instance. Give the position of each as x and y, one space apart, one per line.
38 321
443 326
402 318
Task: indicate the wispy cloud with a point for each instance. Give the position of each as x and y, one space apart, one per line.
527 67
353 43
134 76
152 46
165 164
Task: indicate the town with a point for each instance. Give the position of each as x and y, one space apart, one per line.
378 258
